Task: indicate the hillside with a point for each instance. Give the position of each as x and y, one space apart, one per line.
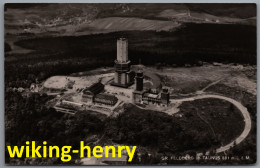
70 19
125 24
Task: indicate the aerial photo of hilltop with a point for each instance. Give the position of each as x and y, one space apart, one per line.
178 81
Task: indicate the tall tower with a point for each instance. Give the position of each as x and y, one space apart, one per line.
124 77
165 96
138 92
122 50
139 78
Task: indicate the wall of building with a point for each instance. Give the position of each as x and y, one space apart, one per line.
137 98
116 77
87 98
123 78
122 50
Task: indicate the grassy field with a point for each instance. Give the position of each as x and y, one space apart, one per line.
221 117
193 79
248 146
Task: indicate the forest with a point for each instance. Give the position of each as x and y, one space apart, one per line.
155 131
189 44
152 132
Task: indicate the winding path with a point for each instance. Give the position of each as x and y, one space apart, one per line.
245 113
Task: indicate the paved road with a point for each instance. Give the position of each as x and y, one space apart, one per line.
242 109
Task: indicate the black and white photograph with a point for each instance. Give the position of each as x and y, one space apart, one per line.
130 84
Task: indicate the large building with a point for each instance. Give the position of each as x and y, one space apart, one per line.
94 94
161 98
90 92
124 77
107 99
147 96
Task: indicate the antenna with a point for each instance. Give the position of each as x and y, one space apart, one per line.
189 12
139 65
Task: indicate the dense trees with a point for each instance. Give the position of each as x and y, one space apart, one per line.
7 47
27 119
190 44
156 130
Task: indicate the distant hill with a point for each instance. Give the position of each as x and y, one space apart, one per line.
71 19
126 23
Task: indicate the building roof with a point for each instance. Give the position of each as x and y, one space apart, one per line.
139 92
106 96
139 73
123 39
95 88
151 95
